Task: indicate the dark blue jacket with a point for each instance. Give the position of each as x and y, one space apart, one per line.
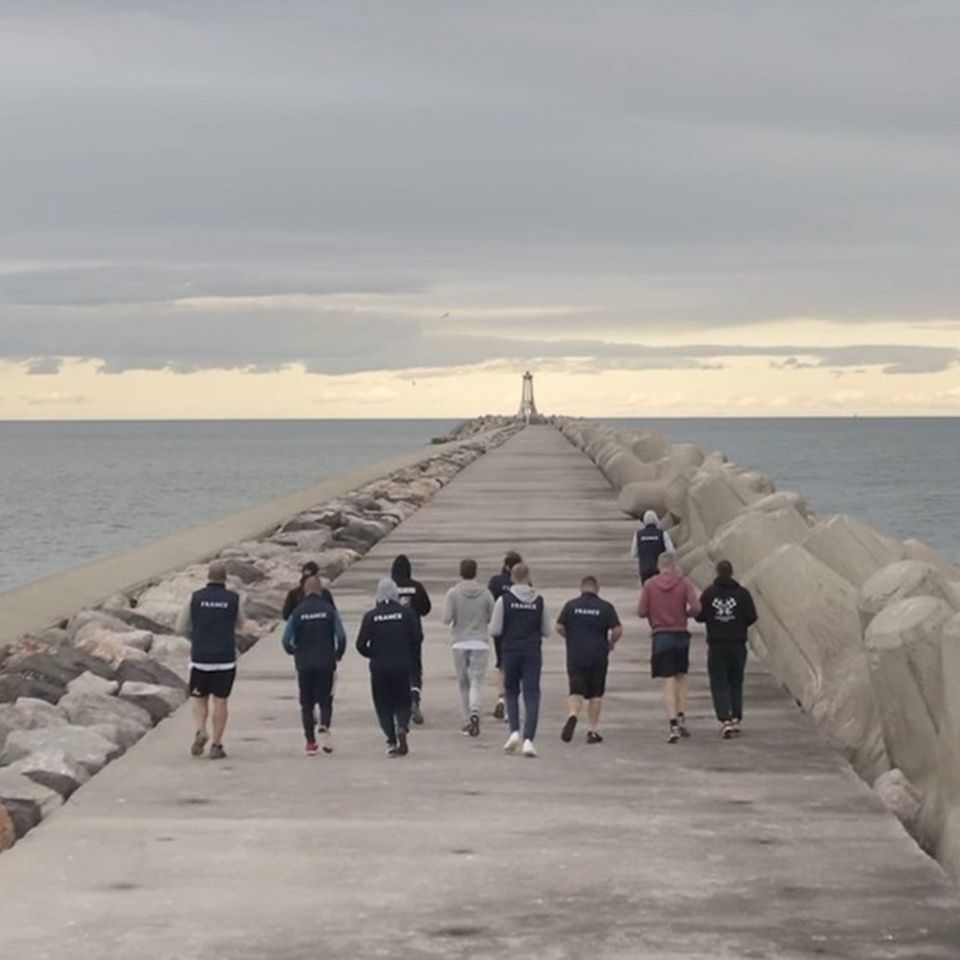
522 621
314 634
213 621
650 544
389 635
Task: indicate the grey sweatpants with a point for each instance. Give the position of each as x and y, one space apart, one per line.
471 665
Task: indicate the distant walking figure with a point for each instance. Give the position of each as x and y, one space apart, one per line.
412 595
498 583
592 628
467 609
648 543
315 637
295 596
211 619
728 610
520 619
389 635
666 600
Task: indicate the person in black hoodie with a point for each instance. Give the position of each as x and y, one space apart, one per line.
315 637
413 596
295 597
389 634
727 609
498 583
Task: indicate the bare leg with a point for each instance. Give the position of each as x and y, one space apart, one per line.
594 707
200 710
575 704
219 719
681 693
670 697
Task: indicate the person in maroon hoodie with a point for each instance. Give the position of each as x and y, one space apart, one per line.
666 601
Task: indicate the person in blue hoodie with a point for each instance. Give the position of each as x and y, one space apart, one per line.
315 638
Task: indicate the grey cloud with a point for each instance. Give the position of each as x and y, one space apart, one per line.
44 366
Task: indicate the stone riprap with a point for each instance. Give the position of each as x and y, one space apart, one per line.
76 695
862 629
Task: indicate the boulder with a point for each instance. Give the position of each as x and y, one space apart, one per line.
641 495
137 620
754 535
312 540
683 459
853 549
810 630
25 801
14 685
947 847
108 647
87 709
164 601
90 683
897 581
8 833
244 571
915 550
148 670
38 713
52 769
903 645
784 499
675 495
262 606
715 498
899 796
253 550
95 620
650 445
27 646
158 701
82 745
622 468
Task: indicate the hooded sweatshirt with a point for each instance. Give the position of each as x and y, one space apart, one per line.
390 632
467 609
648 543
527 595
411 591
727 609
666 600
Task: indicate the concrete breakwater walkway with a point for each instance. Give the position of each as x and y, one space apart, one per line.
759 848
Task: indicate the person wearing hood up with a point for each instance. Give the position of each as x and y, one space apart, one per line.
415 597
520 618
467 609
498 583
648 543
728 610
295 597
666 601
389 634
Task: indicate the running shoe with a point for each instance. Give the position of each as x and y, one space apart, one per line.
217 752
594 737
674 735
499 711
682 726
325 745
566 734
473 727
726 731
402 748
199 743
415 714
391 750
529 750
311 748
513 742
735 726
465 729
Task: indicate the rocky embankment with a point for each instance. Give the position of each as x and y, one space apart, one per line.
861 628
478 425
77 695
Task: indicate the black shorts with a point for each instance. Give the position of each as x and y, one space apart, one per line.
589 682
498 650
670 663
212 683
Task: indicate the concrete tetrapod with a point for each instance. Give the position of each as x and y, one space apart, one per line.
715 498
754 535
852 548
810 637
897 581
948 752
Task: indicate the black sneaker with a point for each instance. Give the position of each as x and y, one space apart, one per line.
499 710
682 726
391 750
566 734
594 737
217 752
473 728
402 748
415 715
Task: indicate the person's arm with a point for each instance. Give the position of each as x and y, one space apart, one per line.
496 620
448 611
561 624
339 635
241 620
667 542
634 548
364 640
289 640
614 627
289 604
421 600
546 627
693 600
643 607
701 616
184 624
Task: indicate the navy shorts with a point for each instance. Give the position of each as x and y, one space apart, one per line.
671 655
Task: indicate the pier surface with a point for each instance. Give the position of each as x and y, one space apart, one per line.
766 847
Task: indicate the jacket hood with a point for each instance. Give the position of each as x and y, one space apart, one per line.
386 591
524 592
471 589
666 581
650 517
401 568
726 583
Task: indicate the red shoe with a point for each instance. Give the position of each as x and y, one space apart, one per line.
311 748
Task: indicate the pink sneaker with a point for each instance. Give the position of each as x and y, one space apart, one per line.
311 748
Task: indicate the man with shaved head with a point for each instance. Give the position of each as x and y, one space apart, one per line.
211 620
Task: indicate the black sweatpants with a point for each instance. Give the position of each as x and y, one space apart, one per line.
416 668
726 662
391 700
316 690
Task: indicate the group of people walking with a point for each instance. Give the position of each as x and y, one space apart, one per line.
510 612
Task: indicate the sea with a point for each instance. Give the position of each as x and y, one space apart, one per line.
72 492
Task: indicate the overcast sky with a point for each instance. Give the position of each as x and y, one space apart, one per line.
252 208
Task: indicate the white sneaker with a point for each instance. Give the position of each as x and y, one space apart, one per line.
529 750
513 742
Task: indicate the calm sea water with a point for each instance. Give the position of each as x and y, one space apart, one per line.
73 492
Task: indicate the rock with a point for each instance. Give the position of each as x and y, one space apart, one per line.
897 581
715 498
310 540
52 769
245 572
754 535
81 744
38 713
851 548
947 846
147 670
118 601
253 550
170 647
262 607
899 796
809 627
903 653
90 683
156 700
8 833
164 601
87 709
96 620
27 646
14 685
136 620
303 521
108 647
363 531
784 499
25 802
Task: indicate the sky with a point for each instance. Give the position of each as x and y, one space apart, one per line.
242 208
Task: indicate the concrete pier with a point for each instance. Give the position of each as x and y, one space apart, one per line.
766 847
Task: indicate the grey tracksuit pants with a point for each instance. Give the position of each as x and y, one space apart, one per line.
471 666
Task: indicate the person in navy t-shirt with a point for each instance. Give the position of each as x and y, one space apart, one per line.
592 628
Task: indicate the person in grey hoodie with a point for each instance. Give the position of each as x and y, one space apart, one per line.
467 609
520 618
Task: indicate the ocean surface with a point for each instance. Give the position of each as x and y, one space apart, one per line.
73 492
